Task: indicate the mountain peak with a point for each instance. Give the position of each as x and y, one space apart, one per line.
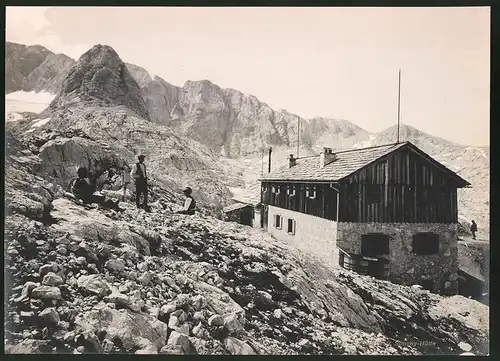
100 78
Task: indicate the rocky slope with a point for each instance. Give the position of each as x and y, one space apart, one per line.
86 280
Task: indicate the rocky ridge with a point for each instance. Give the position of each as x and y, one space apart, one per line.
82 279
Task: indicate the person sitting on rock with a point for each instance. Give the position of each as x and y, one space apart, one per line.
189 203
82 189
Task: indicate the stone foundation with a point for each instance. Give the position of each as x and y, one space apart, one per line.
406 267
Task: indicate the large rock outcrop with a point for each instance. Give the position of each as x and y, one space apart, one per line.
100 78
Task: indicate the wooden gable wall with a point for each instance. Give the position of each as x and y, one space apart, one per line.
403 187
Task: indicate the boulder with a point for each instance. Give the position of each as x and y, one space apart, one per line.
238 347
116 265
134 330
172 350
179 339
216 320
50 316
94 284
51 279
119 299
46 293
167 309
233 324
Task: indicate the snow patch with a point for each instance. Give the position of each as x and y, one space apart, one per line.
42 97
40 122
22 101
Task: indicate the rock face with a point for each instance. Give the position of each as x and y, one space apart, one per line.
49 75
20 62
101 78
238 124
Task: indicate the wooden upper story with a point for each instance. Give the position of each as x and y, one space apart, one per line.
391 183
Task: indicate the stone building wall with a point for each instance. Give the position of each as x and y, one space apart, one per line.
313 235
406 267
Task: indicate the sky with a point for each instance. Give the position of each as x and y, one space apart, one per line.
331 61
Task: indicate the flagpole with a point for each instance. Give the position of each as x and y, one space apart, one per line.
399 101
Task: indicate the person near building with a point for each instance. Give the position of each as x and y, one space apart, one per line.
189 203
139 174
473 229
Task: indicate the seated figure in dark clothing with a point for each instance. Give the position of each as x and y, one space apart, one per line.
82 189
189 203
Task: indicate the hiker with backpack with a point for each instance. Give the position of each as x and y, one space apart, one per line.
189 203
139 174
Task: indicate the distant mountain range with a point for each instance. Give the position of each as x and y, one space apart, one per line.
237 126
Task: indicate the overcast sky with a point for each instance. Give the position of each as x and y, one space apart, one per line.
331 62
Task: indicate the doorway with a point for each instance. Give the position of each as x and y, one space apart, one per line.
246 216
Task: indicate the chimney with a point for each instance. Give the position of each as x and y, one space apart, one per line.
326 157
269 168
291 161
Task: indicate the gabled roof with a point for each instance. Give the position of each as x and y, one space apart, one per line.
234 207
347 163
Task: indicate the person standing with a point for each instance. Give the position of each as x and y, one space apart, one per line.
473 229
139 174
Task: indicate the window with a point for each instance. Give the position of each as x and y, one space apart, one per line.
277 221
290 191
291 226
373 193
311 192
374 244
276 190
426 243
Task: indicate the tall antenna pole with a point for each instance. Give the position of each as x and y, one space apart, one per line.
298 135
399 101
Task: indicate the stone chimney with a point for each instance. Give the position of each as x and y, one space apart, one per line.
291 161
326 157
